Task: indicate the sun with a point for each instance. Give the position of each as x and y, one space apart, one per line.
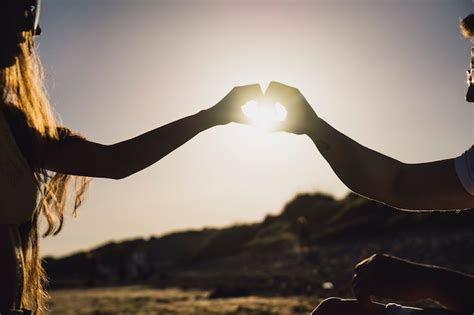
264 115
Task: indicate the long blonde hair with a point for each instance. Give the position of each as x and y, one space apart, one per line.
22 86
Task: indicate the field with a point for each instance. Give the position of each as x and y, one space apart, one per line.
143 300
315 241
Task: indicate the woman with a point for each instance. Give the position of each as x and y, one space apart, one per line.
447 184
39 158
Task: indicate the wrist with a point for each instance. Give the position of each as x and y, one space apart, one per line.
426 280
433 281
452 289
209 118
411 281
313 127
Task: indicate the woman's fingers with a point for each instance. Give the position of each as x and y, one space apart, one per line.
241 95
229 108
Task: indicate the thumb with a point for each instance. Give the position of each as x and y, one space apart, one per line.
280 127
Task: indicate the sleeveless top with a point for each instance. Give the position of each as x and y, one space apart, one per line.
18 187
465 169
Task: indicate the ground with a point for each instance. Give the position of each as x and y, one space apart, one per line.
144 300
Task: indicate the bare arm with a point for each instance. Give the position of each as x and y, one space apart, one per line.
426 186
399 279
86 158
453 289
117 161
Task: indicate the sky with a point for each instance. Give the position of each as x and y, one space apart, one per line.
390 74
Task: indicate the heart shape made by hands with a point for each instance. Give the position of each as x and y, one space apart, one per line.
264 115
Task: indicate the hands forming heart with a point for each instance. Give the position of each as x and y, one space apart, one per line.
264 115
280 108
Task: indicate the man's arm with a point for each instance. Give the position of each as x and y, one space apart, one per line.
399 279
454 290
426 186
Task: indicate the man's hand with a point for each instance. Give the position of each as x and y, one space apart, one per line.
300 115
389 277
229 109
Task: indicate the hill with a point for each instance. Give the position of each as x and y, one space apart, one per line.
309 248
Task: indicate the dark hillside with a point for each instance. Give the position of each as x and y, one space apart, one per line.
310 248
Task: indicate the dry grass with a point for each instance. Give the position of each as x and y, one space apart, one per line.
143 300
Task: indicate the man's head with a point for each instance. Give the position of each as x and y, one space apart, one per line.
467 29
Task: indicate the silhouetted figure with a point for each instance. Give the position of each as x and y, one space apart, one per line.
447 184
39 158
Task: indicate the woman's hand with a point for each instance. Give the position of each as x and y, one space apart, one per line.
301 115
229 109
390 277
122 159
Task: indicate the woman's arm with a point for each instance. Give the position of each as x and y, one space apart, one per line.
424 186
85 158
117 161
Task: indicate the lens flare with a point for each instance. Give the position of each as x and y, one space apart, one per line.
264 115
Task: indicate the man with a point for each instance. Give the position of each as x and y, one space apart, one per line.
447 184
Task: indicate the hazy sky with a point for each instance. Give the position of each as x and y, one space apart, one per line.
391 74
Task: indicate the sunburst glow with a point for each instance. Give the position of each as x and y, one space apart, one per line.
264 115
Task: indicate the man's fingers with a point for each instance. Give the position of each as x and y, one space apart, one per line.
362 296
279 91
362 282
275 91
276 86
249 92
363 276
360 266
358 282
355 278
280 126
